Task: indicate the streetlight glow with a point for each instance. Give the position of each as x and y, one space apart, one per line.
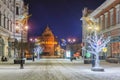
31 39
96 28
71 40
36 39
17 27
26 27
89 27
74 40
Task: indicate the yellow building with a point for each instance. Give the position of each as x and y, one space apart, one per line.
48 41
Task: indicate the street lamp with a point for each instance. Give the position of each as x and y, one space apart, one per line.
71 40
69 47
22 31
33 40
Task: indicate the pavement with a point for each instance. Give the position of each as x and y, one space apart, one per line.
57 69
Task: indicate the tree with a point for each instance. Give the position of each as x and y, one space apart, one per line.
95 43
38 50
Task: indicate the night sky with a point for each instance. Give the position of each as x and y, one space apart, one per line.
62 16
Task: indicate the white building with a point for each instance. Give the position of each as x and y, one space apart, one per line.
10 10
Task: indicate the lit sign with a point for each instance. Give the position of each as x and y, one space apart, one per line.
68 53
48 42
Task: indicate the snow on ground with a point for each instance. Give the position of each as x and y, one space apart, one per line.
58 69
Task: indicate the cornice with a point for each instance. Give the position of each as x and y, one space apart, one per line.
102 7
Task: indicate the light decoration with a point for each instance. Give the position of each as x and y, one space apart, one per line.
38 50
63 42
48 42
104 49
96 43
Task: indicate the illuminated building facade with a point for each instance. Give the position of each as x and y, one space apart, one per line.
108 17
10 10
48 41
85 32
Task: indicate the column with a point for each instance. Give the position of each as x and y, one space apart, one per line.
117 13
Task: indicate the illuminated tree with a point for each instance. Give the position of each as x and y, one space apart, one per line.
38 50
95 43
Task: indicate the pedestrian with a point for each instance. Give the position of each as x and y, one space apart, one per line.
33 55
71 59
93 60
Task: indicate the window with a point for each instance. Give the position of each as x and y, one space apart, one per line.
11 26
101 22
17 10
118 14
8 24
4 21
111 17
106 20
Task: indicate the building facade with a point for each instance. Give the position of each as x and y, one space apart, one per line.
107 16
9 10
49 42
85 31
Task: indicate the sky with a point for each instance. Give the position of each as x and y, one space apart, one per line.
62 16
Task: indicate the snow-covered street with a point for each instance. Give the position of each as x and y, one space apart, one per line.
57 69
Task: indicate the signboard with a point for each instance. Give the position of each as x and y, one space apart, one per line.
68 53
104 49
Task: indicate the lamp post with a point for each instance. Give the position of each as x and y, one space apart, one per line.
70 46
22 31
33 40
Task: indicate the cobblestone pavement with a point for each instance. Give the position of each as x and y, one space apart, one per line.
57 69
